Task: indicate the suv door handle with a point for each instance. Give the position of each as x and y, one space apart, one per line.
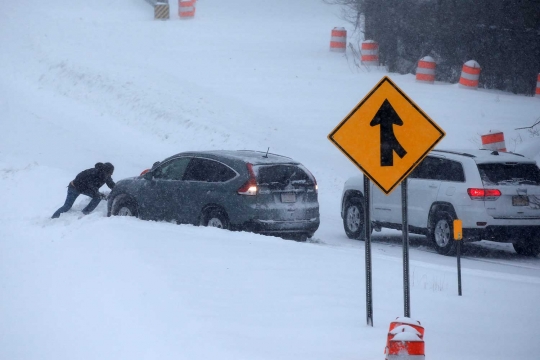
433 186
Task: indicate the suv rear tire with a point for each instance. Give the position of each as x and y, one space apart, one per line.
353 218
216 218
442 233
527 248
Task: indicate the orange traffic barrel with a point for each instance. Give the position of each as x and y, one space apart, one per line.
470 73
370 53
537 86
494 140
404 324
402 328
425 71
186 9
338 39
406 346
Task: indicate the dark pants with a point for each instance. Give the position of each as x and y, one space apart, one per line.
72 195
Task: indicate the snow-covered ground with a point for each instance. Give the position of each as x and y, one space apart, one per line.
83 82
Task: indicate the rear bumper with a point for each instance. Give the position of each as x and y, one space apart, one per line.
283 227
503 233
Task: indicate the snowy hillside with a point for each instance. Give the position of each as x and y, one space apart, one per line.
84 82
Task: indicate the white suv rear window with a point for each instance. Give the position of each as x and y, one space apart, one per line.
509 174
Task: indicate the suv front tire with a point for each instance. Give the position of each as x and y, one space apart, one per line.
353 219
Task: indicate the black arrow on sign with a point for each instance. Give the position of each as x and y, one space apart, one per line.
386 117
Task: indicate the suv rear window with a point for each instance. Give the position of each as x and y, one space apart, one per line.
509 174
282 175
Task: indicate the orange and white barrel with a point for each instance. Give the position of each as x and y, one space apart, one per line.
186 9
470 74
403 324
370 53
399 329
425 71
338 39
494 140
537 86
406 346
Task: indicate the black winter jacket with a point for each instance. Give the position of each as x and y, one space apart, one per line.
89 181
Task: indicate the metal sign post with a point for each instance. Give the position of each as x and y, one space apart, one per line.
367 233
405 230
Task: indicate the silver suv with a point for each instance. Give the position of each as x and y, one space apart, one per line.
237 190
495 194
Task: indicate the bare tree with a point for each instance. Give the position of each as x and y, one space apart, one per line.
352 11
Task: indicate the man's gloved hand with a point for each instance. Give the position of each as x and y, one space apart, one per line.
103 196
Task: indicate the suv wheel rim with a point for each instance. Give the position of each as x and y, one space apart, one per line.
124 211
442 233
215 222
353 218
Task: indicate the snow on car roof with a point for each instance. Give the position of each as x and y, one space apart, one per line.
481 156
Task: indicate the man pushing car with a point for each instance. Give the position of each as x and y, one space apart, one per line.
88 182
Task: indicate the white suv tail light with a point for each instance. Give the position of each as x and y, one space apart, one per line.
484 194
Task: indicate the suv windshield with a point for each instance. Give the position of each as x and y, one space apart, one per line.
509 174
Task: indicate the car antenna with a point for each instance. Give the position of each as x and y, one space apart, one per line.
266 155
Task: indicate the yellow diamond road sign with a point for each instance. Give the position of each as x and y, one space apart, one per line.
386 135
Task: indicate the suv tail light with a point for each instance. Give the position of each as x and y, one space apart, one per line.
484 194
315 186
250 186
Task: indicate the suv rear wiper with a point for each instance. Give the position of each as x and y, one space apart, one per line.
519 181
528 182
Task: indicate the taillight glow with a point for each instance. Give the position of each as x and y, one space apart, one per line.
484 194
250 186
315 186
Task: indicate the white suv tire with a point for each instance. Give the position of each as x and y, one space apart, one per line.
442 233
353 217
527 247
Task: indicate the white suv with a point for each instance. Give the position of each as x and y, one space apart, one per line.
495 194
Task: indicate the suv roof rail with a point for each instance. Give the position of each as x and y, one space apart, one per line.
265 153
496 152
455 152
513 153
